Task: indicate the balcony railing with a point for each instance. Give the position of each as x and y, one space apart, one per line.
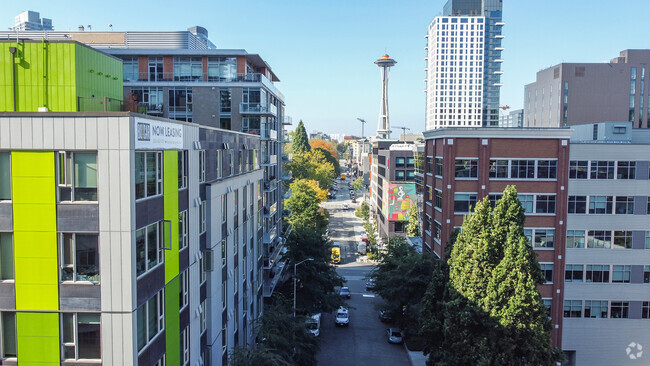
99 104
258 109
287 121
194 77
287 176
269 160
268 133
274 275
270 236
151 109
287 157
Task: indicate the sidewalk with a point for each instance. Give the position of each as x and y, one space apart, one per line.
416 358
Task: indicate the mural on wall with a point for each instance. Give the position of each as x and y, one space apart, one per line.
398 197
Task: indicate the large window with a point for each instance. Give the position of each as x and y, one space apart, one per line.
185 346
596 309
80 336
400 162
148 247
600 204
522 169
545 204
130 69
203 207
182 169
527 202
188 68
183 230
619 309
464 202
602 170
150 99
578 169
201 166
573 273
466 168
77 176
148 174
225 101
645 310
222 68
150 319
626 170
621 273
438 199
575 238
498 168
439 167
8 334
577 205
79 257
546 169
597 273
547 270
544 238
5 176
184 290
599 239
180 104
573 308
6 256
624 205
622 239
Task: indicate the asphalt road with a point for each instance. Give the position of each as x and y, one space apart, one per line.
364 341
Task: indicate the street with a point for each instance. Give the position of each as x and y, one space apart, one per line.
364 342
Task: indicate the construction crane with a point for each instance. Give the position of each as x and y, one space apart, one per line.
403 130
363 122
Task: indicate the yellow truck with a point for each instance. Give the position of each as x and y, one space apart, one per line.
336 253
342 176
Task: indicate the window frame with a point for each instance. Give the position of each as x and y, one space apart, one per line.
75 330
570 271
470 206
3 352
184 289
61 238
66 179
158 175
5 175
602 269
469 168
547 270
159 303
160 257
10 254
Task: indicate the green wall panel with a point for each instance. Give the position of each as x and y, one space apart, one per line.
170 192
38 338
104 81
172 323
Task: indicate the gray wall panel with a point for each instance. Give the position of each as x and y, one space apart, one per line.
635 309
638 239
642 170
6 217
7 296
77 217
636 275
149 211
77 297
641 205
149 284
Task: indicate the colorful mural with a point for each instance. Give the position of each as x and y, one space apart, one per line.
398 198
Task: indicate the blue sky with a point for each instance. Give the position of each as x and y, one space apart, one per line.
323 51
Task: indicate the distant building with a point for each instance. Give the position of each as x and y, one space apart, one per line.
575 93
464 65
31 20
513 119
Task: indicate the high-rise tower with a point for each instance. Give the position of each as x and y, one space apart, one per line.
464 65
383 127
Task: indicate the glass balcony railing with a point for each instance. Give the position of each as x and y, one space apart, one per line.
269 160
194 77
256 108
287 121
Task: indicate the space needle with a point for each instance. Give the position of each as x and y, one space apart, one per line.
383 127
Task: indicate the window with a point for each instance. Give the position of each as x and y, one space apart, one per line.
548 305
77 176
5 176
150 319
410 162
624 205
182 169
400 162
223 253
573 273
578 169
645 310
647 239
235 202
224 294
498 168
597 273
203 273
130 69
8 334
545 204
547 169
148 174
188 68
6 256
203 207
619 309
231 162
224 209
180 104
185 346
437 230
148 247
438 199
466 168
621 274
522 169
464 202
577 205
573 308
439 167
203 317
595 309
601 170
599 239
80 335
625 170
527 201
400 175
547 270
575 238
622 240
183 229
79 257
600 204
646 274
222 68
544 238
184 296
201 166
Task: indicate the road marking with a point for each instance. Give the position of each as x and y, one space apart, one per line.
368 295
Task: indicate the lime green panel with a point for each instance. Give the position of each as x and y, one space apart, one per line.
170 190
35 241
172 323
105 80
38 338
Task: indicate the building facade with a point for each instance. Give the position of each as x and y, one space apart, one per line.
464 165
607 271
464 65
575 93
31 20
146 248
513 119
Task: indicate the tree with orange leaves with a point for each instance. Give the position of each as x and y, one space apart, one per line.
314 143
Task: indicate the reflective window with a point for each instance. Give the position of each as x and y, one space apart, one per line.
5 176
148 174
77 176
6 256
80 336
79 257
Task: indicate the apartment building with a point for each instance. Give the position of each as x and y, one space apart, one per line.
607 271
464 165
31 20
513 119
464 65
568 94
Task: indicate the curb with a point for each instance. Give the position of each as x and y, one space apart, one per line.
408 354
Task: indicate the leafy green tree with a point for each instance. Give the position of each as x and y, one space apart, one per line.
260 356
371 233
332 160
413 225
357 184
300 143
317 279
304 206
313 165
363 211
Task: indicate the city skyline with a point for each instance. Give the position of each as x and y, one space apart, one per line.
336 43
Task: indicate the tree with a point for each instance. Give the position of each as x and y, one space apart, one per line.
490 303
413 225
325 145
300 143
321 194
313 165
331 159
244 356
304 206
363 211
357 184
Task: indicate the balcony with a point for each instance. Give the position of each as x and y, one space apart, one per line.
100 104
500 24
193 77
286 120
274 275
150 109
267 133
269 160
258 109
268 213
287 176
287 194
287 157
270 237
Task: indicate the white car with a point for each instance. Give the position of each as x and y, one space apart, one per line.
343 317
345 206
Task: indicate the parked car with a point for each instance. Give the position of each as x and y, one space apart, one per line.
313 324
386 316
370 284
345 206
354 200
345 292
342 317
394 335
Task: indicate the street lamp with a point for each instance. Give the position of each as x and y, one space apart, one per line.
294 282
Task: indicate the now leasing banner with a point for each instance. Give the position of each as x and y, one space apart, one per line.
157 135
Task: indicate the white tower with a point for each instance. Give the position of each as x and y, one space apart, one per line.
383 127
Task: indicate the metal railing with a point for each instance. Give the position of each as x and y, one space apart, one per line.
256 108
194 77
99 104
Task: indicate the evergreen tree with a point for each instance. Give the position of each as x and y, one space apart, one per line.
300 143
